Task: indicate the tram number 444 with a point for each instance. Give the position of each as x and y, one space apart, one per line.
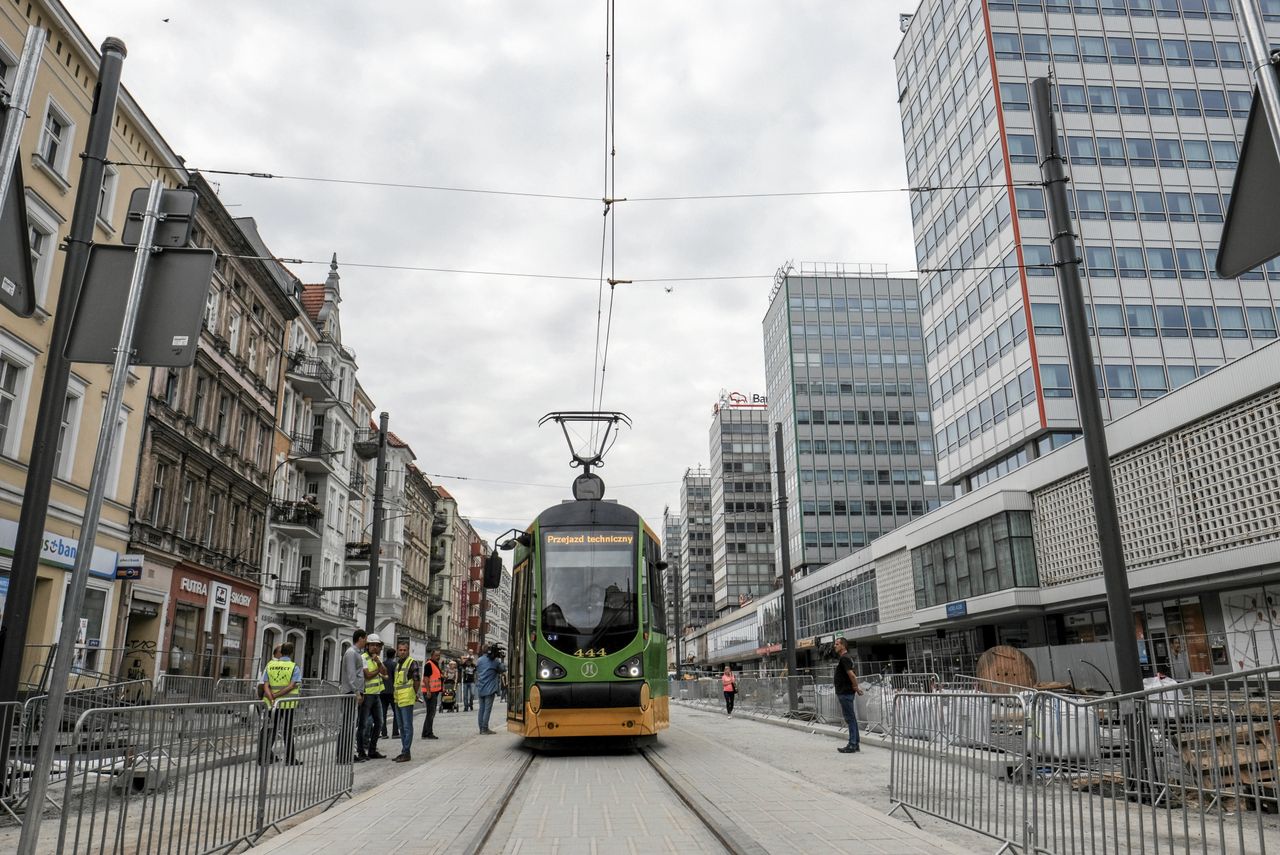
590 653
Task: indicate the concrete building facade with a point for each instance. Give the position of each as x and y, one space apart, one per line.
49 149
1016 561
742 549
697 585
845 374
1152 105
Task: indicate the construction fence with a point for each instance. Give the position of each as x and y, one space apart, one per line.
1177 768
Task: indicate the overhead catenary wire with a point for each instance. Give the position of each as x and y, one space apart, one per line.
572 197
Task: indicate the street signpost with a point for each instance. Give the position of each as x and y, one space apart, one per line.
1251 236
17 284
173 299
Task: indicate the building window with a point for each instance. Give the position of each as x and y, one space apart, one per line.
11 376
64 456
188 496
233 333
211 520
55 139
107 194
116 459
211 310
159 484
222 423
1055 380
1120 381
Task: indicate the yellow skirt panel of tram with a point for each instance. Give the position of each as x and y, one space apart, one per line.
609 721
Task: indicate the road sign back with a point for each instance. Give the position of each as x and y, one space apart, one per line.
173 299
1251 234
17 285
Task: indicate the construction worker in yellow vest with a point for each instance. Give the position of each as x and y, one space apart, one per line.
375 673
405 689
280 681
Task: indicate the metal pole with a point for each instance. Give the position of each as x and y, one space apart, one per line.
679 628
484 613
65 651
44 444
1264 70
788 596
1066 257
18 105
375 539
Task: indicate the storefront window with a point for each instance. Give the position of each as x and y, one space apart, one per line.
89 630
233 647
182 645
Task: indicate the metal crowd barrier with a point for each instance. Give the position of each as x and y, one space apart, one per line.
183 689
12 781
1177 768
200 778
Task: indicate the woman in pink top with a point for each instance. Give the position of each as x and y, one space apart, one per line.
729 682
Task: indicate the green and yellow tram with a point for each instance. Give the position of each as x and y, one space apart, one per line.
588 636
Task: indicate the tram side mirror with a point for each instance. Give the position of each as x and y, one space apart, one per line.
662 565
493 571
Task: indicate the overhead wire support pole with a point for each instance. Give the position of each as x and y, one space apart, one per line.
64 653
375 536
788 593
1066 257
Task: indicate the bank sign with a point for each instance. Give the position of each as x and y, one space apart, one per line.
59 551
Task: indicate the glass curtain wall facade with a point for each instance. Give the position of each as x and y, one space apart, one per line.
741 510
845 369
696 583
1152 99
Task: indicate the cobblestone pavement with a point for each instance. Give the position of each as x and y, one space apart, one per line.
789 791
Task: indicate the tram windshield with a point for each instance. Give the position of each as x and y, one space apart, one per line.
588 589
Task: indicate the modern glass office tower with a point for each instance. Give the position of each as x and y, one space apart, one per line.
696 587
741 511
1153 96
845 374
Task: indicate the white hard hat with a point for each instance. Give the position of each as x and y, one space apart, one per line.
373 638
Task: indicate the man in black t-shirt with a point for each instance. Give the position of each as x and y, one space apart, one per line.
847 690
468 669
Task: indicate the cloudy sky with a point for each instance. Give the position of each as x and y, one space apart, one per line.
740 97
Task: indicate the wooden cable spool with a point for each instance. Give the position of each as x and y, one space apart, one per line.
1002 668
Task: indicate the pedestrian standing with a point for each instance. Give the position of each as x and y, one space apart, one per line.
432 686
351 682
262 684
405 697
388 696
281 679
468 682
729 684
847 691
489 669
375 677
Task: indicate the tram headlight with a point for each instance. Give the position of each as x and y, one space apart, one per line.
548 670
633 667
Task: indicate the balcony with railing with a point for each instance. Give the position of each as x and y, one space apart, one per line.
312 377
365 443
357 553
439 560
435 603
311 453
347 610
297 518
302 599
358 485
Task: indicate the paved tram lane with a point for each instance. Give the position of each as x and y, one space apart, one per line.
773 787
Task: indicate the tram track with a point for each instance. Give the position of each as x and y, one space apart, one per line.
508 803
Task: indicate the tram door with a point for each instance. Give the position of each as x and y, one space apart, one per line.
518 635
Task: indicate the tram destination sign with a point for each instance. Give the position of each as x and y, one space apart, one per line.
586 539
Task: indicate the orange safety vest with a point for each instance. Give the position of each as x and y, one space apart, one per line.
432 678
